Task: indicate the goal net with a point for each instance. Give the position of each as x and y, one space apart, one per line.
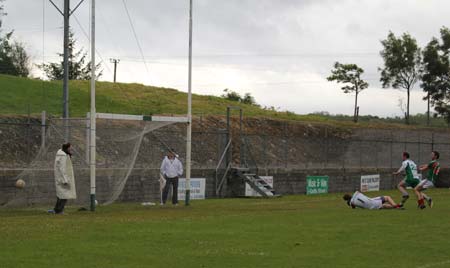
129 151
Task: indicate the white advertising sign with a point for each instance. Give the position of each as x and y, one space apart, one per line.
249 190
197 188
370 183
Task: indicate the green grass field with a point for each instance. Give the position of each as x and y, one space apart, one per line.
292 231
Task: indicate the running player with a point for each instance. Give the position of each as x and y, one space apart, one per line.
430 180
362 201
411 179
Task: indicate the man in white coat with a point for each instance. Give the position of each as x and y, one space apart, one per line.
171 169
64 179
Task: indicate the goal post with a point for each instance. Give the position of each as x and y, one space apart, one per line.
155 118
155 121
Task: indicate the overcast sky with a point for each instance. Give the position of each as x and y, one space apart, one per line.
280 51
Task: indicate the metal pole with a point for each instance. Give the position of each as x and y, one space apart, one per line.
189 127
115 61
228 137
66 70
115 70
93 111
432 141
43 118
428 109
88 134
326 147
242 155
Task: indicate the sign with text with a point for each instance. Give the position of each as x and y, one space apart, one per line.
370 183
249 190
197 188
317 184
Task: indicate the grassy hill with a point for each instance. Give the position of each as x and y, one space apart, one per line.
19 96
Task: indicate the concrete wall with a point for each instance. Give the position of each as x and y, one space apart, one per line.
289 152
143 185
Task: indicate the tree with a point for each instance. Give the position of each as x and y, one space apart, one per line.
14 59
350 76
436 73
402 62
234 96
78 68
248 99
231 95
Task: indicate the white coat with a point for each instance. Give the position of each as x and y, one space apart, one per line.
64 178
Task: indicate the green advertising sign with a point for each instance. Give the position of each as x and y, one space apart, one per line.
316 184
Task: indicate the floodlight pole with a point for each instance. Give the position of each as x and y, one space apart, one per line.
66 70
92 140
189 126
66 13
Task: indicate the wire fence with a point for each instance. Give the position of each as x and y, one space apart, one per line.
292 147
360 149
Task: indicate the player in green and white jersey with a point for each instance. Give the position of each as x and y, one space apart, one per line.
430 180
411 179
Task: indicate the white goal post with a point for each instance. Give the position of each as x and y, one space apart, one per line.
155 118
110 116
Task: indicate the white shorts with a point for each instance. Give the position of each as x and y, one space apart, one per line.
425 184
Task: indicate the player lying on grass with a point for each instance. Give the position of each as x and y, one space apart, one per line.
362 201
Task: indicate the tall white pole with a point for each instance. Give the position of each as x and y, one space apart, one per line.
189 127
93 112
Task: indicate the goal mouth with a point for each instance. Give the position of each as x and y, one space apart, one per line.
127 146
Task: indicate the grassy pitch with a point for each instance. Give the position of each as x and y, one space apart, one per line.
292 231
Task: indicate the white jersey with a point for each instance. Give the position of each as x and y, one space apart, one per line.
410 168
361 201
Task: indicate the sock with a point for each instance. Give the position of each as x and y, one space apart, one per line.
421 202
404 198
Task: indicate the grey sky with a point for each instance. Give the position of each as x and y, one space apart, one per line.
278 50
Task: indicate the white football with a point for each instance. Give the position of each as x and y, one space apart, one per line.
20 184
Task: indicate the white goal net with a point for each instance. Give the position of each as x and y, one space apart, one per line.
127 149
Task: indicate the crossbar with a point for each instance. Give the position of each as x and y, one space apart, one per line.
178 119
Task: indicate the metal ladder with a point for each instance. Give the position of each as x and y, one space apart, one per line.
257 183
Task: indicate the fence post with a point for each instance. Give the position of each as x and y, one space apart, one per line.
418 145
360 154
376 155
43 122
285 143
28 132
228 137
326 147
391 148
242 144
432 141
265 152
